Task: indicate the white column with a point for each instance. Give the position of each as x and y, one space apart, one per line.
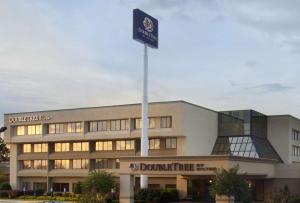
144 137
13 167
126 189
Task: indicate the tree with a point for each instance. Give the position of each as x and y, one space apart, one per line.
97 186
229 183
4 151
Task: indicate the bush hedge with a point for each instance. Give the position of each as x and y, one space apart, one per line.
44 197
295 199
5 186
156 196
78 188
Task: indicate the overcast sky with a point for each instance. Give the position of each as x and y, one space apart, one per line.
219 54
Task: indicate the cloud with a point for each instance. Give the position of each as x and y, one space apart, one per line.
268 88
232 83
280 20
251 63
42 68
180 9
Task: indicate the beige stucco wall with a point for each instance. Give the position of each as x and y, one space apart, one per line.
275 185
293 124
200 126
173 109
280 129
278 135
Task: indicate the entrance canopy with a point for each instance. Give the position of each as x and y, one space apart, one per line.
195 165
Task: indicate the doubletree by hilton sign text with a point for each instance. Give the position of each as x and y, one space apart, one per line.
29 118
170 167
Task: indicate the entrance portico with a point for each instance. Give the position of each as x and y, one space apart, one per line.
188 170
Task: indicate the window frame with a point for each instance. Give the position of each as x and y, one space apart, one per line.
153 144
170 140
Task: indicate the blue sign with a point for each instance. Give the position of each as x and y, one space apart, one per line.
145 28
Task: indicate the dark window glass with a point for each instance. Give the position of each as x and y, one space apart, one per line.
60 187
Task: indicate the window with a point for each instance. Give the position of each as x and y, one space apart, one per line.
26 164
102 125
62 147
26 148
112 125
40 147
40 186
171 143
80 146
40 164
34 129
75 127
103 145
124 125
57 128
61 164
151 123
26 185
138 123
117 164
166 122
93 126
21 130
296 150
60 187
236 146
154 144
80 163
125 145
103 164
296 135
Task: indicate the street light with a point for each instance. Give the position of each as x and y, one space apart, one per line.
2 129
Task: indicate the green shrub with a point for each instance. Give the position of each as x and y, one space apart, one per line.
4 193
283 196
156 196
295 199
57 194
5 186
78 188
230 183
45 197
14 193
170 195
39 192
29 192
97 186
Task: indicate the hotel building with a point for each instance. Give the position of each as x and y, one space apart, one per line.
187 143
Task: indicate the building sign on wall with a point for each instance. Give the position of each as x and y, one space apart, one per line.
170 167
145 28
29 118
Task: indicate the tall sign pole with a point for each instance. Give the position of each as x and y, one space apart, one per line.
144 136
145 30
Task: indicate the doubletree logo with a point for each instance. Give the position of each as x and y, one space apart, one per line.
134 166
148 24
